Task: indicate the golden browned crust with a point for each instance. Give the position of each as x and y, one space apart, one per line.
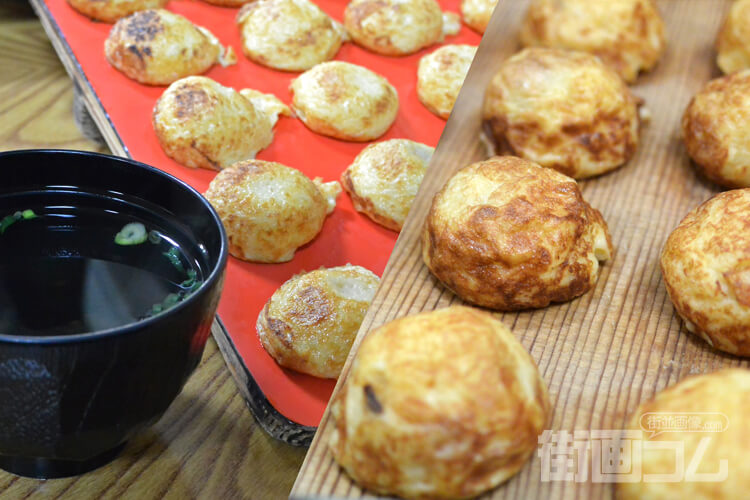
384 179
440 76
716 130
476 13
345 101
310 322
722 397
627 35
706 268
109 11
563 110
443 404
157 47
309 36
508 234
733 41
394 27
268 209
200 123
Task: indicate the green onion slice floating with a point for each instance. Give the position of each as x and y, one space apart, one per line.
173 255
9 220
131 234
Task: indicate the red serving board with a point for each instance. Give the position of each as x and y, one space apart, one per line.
347 236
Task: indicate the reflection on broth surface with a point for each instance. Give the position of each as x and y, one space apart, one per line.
65 272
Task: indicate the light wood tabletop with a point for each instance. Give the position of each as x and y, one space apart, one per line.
207 445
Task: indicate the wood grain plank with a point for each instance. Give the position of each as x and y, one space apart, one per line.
620 343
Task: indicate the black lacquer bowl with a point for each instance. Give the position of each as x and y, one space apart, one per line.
69 403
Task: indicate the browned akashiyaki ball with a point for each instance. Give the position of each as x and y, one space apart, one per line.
310 322
201 123
627 35
563 110
508 234
445 404
269 210
716 130
157 47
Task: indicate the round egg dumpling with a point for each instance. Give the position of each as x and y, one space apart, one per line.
440 76
564 110
309 36
269 210
398 27
627 35
716 130
702 457
344 101
733 42
508 234
705 264
109 11
448 401
310 322
157 47
384 179
477 13
201 123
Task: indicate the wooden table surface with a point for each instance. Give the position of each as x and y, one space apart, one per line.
207 445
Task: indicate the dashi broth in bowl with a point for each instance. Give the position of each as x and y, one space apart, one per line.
110 275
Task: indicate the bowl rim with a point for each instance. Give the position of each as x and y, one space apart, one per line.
216 273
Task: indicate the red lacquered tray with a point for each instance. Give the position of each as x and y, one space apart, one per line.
288 404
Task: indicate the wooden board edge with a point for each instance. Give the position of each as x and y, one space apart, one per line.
269 418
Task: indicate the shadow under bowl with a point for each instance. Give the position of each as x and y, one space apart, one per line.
69 402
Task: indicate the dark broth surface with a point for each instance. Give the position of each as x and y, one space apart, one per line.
62 273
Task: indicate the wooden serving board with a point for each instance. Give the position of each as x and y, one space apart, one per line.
605 352
287 404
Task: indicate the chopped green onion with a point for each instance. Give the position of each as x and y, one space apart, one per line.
131 234
170 300
188 283
154 237
9 220
188 286
173 254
